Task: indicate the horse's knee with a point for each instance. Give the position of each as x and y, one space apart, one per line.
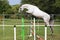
47 23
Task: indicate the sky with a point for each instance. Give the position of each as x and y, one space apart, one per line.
14 2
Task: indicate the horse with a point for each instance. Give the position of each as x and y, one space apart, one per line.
34 10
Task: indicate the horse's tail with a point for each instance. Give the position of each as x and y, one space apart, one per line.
51 21
52 16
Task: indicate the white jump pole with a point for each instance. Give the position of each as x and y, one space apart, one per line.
31 28
45 33
34 30
14 32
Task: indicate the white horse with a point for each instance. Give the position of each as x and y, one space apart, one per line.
34 10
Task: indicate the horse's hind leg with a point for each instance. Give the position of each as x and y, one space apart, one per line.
52 30
51 25
46 22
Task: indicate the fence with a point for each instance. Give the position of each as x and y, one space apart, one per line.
7 25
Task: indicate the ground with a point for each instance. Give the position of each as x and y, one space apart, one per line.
8 33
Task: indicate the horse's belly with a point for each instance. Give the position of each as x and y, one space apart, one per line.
41 15
38 15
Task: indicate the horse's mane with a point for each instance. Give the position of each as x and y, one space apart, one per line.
28 4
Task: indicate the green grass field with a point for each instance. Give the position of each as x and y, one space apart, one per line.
8 33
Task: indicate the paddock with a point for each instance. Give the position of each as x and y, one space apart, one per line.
7 30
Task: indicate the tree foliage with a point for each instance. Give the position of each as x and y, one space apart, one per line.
4 6
15 8
8 9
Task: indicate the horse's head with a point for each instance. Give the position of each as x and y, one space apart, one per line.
22 7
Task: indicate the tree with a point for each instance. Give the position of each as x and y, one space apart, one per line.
15 8
4 6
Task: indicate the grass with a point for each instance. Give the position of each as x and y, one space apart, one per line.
8 33
56 34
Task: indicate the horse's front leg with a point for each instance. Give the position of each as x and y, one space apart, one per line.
29 11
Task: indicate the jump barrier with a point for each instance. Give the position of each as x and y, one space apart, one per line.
34 33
